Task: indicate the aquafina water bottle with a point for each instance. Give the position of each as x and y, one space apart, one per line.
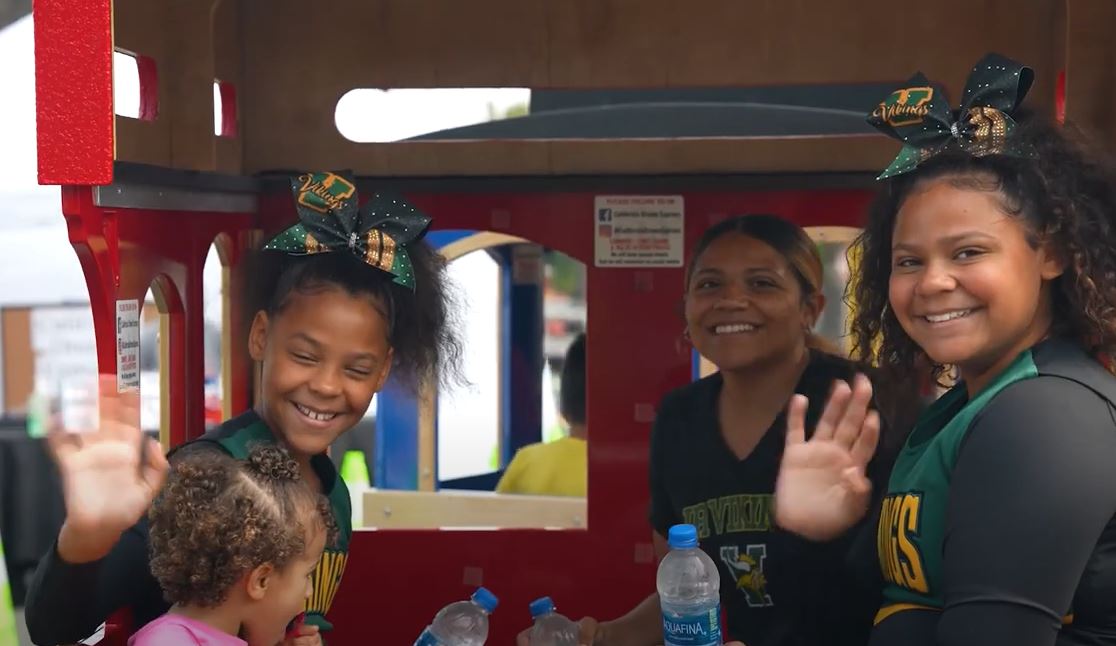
689 591
551 628
461 623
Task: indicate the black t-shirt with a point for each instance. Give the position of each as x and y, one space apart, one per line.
776 589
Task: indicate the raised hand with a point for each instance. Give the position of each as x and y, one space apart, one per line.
822 489
109 474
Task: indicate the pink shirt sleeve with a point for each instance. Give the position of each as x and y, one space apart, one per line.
175 630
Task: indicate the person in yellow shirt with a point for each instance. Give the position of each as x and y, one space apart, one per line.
558 468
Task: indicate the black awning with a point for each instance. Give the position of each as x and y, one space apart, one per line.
725 112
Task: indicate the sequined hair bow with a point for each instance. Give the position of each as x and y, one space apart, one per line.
919 115
331 220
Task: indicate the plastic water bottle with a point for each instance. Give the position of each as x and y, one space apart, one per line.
551 628
461 623
689 591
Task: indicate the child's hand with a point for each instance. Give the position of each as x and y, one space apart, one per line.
304 635
109 476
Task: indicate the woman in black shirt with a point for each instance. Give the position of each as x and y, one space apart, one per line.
753 294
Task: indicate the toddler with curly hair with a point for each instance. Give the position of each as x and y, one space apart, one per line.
233 545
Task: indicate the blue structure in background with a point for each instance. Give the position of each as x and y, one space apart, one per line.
522 362
397 449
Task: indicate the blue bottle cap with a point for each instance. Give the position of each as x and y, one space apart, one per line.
541 606
485 599
682 537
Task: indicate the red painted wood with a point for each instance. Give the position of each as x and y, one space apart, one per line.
122 253
635 356
73 91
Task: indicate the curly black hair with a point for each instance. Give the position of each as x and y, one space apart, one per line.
218 518
423 332
1065 195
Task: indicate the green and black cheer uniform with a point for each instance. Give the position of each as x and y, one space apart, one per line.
999 527
66 602
776 589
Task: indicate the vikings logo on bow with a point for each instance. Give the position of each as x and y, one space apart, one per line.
324 192
331 220
905 106
918 115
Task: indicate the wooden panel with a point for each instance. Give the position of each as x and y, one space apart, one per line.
298 63
777 42
427 442
844 153
189 102
144 142
164 383
139 27
868 153
384 509
1090 61
330 150
291 64
228 157
227 67
19 359
630 43
178 36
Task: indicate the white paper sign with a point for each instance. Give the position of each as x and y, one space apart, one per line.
65 345
127 345
639 230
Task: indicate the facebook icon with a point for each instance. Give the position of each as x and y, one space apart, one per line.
604 215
